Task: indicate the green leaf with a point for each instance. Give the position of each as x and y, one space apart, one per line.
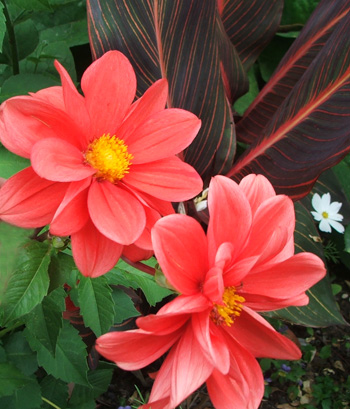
2 25
29 396
32 4
69 362
128 276
297 12
124 307
9 162
45 321
342 171
19 353
29 283
23 84
11 378
73 33
322 309
55 391
99 380
243 102
96 304
347 239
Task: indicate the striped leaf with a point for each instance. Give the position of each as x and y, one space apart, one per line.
177 40
322 309
310 131
250 25
306 47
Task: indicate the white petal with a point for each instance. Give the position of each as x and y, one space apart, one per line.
325 226
335 207
316 203
317 216
337 226
338 217
326 201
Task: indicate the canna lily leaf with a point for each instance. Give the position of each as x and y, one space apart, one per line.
310 131
250 25
305 48
179 41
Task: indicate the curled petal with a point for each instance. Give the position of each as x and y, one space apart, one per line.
93 253
180 246
27 200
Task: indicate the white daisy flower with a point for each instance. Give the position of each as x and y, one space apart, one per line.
327 213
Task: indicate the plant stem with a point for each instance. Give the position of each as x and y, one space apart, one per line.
50 403
12 39
140 266
6 330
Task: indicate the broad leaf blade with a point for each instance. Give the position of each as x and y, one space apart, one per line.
310 132
250 25
96 304
29 283
305 48
177 41
322 309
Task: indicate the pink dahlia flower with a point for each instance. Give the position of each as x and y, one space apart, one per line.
244 265
103 169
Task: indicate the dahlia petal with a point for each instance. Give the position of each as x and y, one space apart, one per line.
168 179
28 120
263 303
135 253
213 287
230 216
134 349
180 246
190 368
109 86
52 95
234 275
186 304
162 324
145 240
58 160
212 343
115 212
72 214
93 253
243 385
257 189
164 134
158 404
73 101
151 102
163 207
297 274
260 338
27 200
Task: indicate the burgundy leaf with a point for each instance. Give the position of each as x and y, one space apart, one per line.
298 58
250 25
310 131
180 41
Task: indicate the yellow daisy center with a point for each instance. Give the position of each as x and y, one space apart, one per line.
230 308
325 215
110 157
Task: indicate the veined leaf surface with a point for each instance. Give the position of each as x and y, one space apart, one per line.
310 131
305 48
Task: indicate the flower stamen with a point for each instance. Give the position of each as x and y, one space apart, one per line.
229 310
110 157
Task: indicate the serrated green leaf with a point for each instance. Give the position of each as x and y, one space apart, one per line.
29 283
19 353
128 276
124 307
60 270
11 378
99 380
32 4
9 162
322 309
69 362
96 304
55 391
29 396
45 321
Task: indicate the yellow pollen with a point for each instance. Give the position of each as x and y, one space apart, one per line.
110 157
325 215
230 308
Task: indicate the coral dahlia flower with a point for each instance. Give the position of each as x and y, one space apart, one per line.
244 265
103 169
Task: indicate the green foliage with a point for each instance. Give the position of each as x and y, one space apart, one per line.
297 12
124 307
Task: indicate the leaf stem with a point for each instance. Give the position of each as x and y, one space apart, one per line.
140 266
12 39
9 329
50 403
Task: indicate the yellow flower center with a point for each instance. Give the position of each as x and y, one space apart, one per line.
230 308
110 157
325 215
